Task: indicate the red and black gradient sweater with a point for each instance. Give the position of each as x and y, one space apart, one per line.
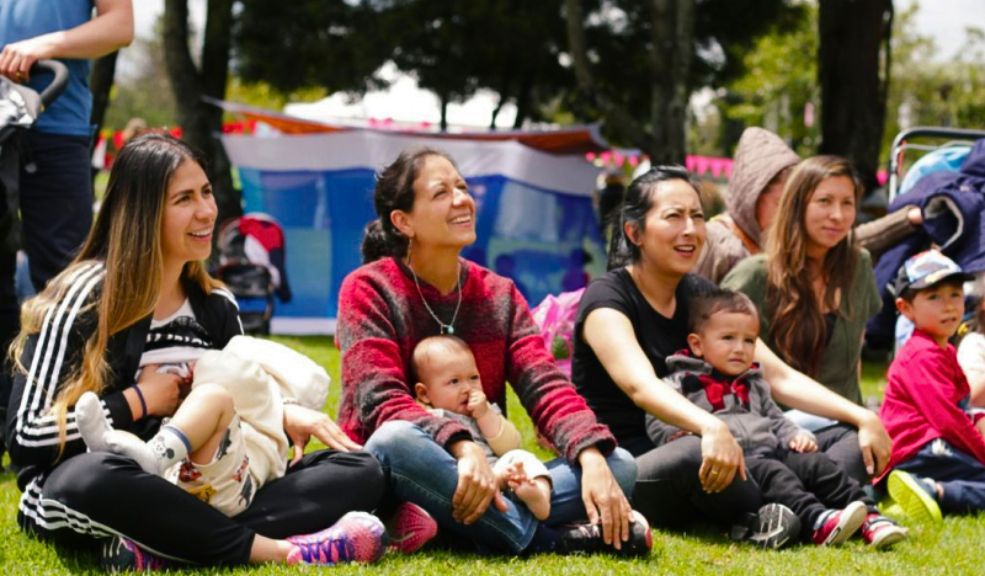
382 318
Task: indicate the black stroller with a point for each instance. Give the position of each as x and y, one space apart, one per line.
925 169
20 106
252 265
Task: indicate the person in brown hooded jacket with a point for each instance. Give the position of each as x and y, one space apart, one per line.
762 163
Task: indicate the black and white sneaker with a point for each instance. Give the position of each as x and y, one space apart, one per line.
774 527
586 538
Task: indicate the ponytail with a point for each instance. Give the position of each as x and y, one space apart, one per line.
379 242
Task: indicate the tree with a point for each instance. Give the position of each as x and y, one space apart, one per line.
927 90
636 63
668 54
632 64
853 72
100 84
144 90
332 44
200 121
452 49
778 87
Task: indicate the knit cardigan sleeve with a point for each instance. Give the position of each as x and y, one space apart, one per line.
375 389
550 399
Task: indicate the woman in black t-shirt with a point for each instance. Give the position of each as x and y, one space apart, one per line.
636 315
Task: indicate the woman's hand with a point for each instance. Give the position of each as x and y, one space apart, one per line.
161 391
302 423
721 458
604 500
477 485
874 442
17 58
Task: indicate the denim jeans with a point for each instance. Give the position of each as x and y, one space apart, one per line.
960 474
422 472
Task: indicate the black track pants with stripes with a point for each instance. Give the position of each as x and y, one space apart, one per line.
96 495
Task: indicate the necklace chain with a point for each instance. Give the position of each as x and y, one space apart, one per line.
443 328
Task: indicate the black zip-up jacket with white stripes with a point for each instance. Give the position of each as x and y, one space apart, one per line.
52 356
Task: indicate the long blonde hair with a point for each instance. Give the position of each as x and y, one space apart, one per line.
797 328
126 239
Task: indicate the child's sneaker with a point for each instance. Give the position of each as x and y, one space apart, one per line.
587 538
774 526
835 526
356 537
123 555
881 532
917 497
410 528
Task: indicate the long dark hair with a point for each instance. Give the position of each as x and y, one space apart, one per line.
798 329
634 207
394 191
126 239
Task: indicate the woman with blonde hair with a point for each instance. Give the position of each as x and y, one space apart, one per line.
138 289
816 289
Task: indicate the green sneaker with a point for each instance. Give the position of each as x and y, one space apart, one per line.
915 496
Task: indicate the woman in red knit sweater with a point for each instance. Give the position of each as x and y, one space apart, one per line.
416 285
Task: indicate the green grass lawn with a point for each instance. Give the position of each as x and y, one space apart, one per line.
946 550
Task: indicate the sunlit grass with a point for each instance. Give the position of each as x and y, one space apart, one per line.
951 549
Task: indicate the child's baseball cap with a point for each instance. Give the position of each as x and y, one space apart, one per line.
926 269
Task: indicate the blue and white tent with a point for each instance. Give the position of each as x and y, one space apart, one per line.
535 211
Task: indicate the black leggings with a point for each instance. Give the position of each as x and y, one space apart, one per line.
807 483
840 443
668 490
101 494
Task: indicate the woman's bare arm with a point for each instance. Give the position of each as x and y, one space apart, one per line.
611 336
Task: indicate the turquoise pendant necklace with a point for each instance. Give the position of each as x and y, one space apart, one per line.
443 329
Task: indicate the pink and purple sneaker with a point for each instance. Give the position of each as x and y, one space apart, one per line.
356 537
124 555
410 528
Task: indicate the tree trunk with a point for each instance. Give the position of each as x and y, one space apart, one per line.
504 95
523 99
100 84
201 123
672 27
853 71
443 126
670 57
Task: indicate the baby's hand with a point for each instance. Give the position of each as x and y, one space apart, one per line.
477 406
980 425
803 442
516 476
